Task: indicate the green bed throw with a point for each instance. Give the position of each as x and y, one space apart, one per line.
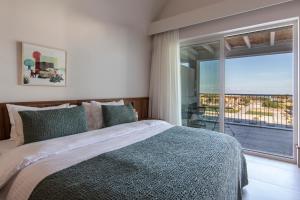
180 163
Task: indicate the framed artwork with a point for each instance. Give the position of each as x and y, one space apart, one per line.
43 66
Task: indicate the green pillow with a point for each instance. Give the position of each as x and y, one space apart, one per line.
48 124
114 115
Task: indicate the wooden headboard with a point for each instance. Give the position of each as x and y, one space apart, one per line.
140 104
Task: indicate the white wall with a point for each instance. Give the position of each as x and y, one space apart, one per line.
106 42
187 85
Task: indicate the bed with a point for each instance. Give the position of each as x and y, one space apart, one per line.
147 159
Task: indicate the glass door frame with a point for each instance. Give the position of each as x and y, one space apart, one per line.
220 37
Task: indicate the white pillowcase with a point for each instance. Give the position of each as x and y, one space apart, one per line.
72 106
111 103
16 132
90 112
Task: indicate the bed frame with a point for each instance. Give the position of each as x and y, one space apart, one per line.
140 104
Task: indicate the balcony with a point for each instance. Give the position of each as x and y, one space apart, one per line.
259 122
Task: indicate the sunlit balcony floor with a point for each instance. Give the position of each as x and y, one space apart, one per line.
274 141
268 140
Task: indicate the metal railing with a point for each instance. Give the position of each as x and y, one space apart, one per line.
261 110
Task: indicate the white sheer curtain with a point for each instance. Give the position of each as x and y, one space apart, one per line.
165 95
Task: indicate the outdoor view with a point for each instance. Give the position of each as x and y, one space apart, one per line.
258 102
258 89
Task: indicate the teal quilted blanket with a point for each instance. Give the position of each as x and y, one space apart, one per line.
180 163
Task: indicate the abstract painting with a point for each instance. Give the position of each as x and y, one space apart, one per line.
43 66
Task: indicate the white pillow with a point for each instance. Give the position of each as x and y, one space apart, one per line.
72 106
16 132
136 114
97 111
88 107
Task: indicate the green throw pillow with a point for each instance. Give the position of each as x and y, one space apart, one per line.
114 115
48 124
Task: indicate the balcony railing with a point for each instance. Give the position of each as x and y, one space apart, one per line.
249 109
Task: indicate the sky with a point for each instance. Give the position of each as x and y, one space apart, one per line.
269 74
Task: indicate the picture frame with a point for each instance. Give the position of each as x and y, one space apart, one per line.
43 66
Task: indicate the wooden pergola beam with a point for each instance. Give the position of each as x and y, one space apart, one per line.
227 45
272 38
208 48
193 51
186 54
247 41
279 48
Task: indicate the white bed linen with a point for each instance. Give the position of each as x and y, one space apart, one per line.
24 167
7 145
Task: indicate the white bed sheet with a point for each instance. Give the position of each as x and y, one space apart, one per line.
7 145
29 164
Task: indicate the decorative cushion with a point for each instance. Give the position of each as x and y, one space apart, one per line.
114 115
16 133
48 124
96 108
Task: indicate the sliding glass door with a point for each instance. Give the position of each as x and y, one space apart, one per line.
259 90
200 76
244 85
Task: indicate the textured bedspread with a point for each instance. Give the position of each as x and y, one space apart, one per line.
180 163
